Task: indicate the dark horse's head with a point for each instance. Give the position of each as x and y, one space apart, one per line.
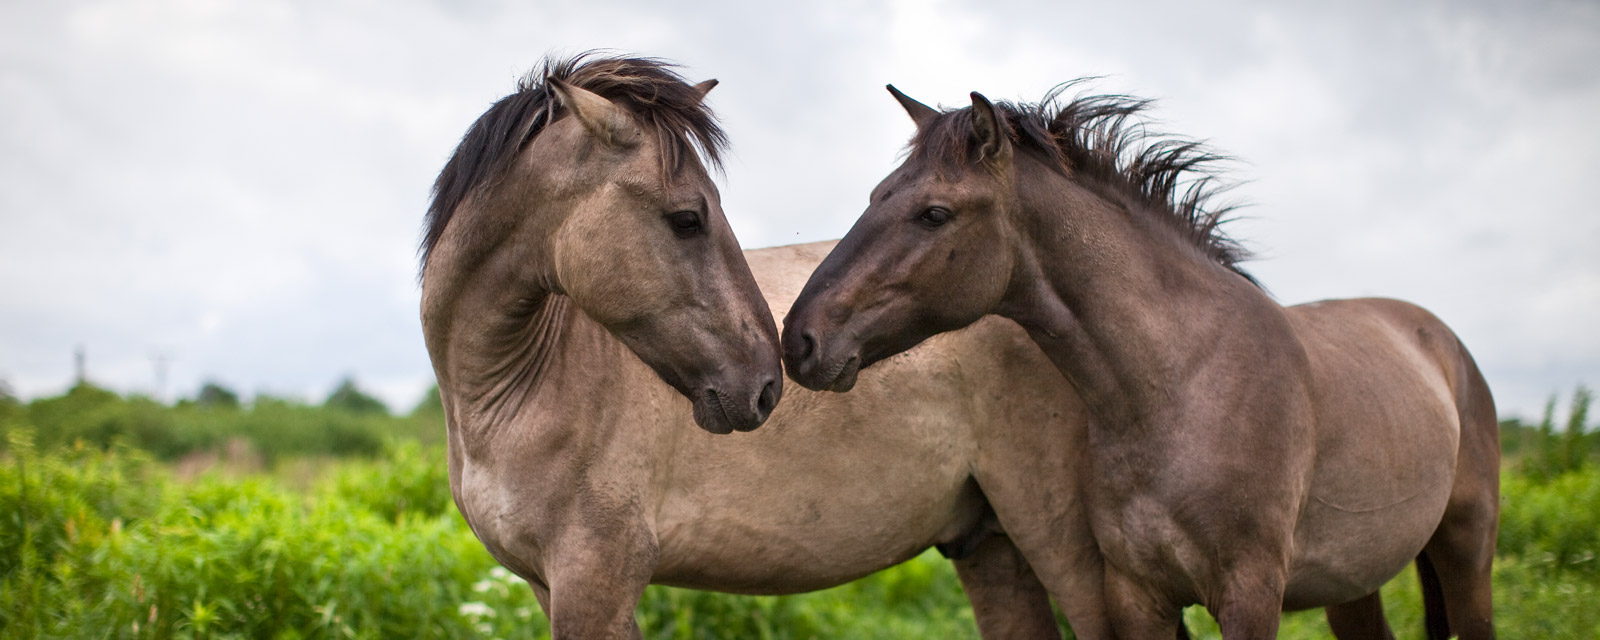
926 257
587 183
950 237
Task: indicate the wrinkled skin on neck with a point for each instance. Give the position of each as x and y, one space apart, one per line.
589 213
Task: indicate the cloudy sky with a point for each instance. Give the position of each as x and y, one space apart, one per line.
236 187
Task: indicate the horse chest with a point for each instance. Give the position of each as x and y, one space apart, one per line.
1177 514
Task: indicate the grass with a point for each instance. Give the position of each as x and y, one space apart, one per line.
105 540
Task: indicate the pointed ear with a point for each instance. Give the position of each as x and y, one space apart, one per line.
604 119
705 87
920 113
988 131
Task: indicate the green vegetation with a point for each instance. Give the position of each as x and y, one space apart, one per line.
99 536
1545 453
349 423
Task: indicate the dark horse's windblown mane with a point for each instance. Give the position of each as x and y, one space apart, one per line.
649 88
1100 138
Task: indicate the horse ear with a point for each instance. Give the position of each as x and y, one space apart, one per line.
920 113
705 87
988 131
603 118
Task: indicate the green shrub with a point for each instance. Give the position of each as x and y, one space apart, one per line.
408 479
105 543
1552 523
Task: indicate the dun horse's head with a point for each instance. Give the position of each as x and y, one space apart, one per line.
931 253
607 202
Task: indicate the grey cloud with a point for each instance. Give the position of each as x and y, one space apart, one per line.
243 186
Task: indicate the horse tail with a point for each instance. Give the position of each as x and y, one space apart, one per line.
1433 614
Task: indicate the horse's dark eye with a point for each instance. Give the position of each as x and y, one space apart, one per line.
684 223
933 217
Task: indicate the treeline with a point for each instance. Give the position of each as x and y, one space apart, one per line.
350 422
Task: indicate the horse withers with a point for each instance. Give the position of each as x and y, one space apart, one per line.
1241 455
585 306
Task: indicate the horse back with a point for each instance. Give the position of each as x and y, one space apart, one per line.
1363 341
782 271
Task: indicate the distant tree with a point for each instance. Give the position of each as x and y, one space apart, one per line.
6 395
348 397
263 400
215 396
430 405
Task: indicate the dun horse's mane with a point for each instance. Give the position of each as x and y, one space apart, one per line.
649 88
1101 138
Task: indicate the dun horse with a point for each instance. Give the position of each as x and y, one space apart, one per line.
585 304
1242 455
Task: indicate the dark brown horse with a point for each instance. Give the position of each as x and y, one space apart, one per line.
1242 455
585 304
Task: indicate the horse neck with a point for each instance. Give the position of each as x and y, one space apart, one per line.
1126 308
530 376
505 348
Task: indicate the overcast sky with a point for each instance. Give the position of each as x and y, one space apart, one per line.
238 186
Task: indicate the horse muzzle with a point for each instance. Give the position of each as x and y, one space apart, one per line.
723 409
804 357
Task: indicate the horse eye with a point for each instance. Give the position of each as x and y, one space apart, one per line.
934 217
684 223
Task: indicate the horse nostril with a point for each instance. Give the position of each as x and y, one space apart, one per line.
768 399
808 345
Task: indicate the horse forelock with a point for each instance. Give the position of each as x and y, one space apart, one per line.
649 88
1103 138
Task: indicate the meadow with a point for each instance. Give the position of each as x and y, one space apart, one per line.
125 517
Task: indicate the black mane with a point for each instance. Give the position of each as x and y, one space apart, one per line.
649 88
1100 138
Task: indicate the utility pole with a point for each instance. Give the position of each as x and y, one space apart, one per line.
161 359
78 361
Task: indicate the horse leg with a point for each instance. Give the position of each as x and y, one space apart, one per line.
541 593
1047 522
1069 565
1008 600
595 586
1137 613
1460 555
1251 604
1359 618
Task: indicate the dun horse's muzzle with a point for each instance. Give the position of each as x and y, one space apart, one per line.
721 409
